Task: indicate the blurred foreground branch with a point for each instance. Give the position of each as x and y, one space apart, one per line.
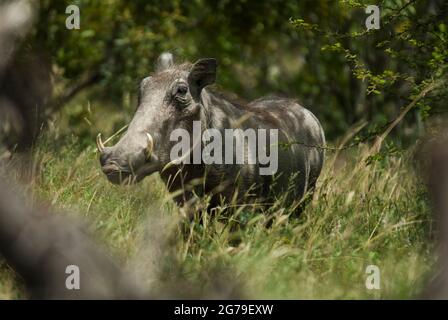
438 187
40 245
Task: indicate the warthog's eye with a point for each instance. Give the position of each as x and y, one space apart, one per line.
180 95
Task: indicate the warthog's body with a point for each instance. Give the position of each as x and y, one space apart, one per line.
295 124
299 163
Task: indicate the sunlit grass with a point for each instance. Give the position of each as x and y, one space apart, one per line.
375 215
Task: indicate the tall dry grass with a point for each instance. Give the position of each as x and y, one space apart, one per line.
359 215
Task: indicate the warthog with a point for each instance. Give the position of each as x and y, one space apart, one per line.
176 96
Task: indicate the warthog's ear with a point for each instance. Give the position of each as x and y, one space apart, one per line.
165 61
202 74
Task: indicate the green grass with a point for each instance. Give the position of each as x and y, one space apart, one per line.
377 214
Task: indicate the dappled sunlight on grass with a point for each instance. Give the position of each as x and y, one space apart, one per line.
376 215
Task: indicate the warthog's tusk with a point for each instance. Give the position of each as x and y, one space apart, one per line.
99 143
150 146
182 158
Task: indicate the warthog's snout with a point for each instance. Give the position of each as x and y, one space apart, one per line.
115 172
122 167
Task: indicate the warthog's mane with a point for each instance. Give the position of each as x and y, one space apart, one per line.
177 70
242 104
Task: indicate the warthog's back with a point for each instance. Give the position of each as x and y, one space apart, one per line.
301 139
300 144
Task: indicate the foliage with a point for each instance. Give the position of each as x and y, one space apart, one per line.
317 51
372 212
392 64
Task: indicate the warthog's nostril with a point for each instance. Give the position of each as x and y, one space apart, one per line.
109 169
116 174
114 165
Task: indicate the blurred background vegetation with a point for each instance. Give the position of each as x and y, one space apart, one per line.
317 51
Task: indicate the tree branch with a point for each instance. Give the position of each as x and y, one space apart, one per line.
379 140
86 81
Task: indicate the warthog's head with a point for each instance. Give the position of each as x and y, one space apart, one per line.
169 99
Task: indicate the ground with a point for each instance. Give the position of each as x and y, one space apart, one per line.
360 215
